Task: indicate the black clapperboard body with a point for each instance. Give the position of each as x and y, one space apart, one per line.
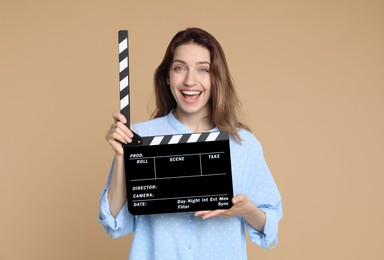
173 173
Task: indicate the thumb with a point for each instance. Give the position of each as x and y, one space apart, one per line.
238 198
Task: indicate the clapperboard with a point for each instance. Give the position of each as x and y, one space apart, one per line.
173 173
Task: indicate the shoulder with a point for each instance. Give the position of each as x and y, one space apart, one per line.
249 148
248 138
248 144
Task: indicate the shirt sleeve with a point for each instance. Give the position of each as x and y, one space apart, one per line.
124 222
261 189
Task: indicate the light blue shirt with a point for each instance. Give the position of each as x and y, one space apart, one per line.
183 236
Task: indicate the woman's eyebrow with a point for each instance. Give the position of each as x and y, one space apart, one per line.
199 62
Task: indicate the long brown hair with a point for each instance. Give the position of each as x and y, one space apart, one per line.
224 103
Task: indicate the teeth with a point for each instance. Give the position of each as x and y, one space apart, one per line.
186 92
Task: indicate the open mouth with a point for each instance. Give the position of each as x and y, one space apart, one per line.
191 95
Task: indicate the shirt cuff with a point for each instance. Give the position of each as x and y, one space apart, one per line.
115 227
268 238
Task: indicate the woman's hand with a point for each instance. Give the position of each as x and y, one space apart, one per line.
118 134
242 206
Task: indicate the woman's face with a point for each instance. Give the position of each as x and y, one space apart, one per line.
190 80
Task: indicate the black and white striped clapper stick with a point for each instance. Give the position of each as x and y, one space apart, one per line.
185 138
124 75
124 81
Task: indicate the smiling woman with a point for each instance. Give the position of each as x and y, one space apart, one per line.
194 93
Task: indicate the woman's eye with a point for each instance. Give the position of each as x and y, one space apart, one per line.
178 68
205 70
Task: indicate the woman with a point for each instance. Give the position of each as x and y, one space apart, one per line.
194 93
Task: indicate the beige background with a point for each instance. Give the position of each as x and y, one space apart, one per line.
309 74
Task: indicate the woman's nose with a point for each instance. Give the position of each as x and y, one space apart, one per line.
190 79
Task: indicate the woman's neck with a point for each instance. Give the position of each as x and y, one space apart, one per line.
195 122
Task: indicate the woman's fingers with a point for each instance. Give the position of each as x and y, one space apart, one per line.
119 117
205 214
118 133
120 122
